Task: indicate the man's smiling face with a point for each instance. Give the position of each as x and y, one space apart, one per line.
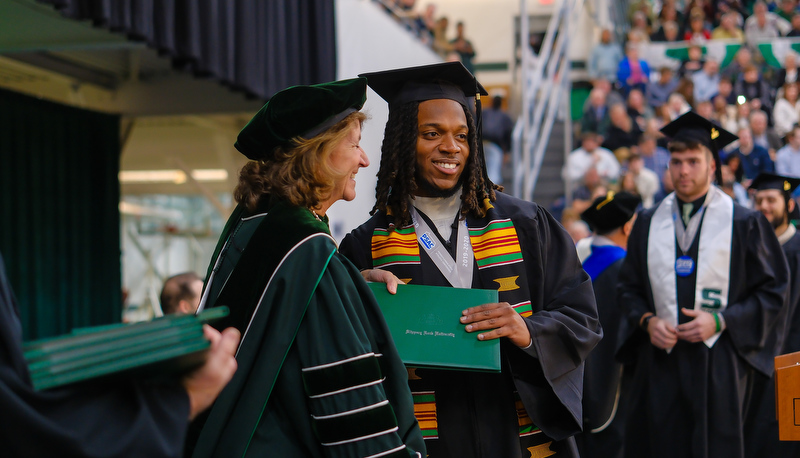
442 147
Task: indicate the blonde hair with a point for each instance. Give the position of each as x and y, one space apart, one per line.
299 173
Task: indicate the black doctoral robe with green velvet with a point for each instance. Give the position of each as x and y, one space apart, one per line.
693 398
100 419
318 372
475 411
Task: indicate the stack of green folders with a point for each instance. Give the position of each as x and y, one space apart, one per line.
172 344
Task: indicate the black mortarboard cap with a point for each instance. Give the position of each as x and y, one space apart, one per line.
611 211
449 80
766 180
693 128
300 111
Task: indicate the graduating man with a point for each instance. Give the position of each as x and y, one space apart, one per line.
433 192
773 198
701 288
611 218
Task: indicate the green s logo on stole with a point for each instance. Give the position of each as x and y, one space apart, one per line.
712 299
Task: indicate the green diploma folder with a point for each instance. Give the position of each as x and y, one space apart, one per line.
171 345
424 323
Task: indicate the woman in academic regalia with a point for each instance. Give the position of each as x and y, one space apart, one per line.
318 372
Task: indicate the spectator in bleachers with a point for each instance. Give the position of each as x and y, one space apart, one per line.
787 160
696 32
686 89
655 158
676 106
668 32
787 9
637 38
705 109
666 188
623 133
591 156
604 58
706 7
658 91
441 44
728 29
733 116
693 64
734 163
647 182
632 72
645 7
764 25
755 89
595 116
463 47
669 12
497 128
640 24
638 109
612 97
789 72
725 90
731 6
762 134
795 30
735 70
725 111
754 158
627 182
706 82
591 187
426 22
733 188
787 110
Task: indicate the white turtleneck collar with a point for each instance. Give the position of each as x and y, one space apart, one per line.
441 210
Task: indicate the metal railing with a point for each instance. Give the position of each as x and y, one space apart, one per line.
545 86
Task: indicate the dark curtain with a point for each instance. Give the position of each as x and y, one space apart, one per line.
59 197
256 46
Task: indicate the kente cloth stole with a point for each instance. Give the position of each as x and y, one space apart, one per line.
712 263
494 244
425 412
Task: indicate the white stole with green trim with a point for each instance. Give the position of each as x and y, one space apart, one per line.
712 263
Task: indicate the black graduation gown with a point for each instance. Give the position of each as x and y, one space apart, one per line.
476 412
603 400
693 398
761 426
114 419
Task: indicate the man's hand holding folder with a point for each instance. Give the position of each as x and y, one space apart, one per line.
205 383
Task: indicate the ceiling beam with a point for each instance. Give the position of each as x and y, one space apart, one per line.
67 68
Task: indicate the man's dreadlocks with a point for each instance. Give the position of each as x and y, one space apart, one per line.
396 176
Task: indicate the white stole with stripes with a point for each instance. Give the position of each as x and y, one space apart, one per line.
712 263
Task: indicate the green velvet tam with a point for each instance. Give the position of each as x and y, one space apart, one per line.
300 111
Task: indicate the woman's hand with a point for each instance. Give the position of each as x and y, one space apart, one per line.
383 276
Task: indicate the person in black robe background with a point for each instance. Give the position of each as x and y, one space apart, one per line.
100 419
773 198
605 385
432 166
694 363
